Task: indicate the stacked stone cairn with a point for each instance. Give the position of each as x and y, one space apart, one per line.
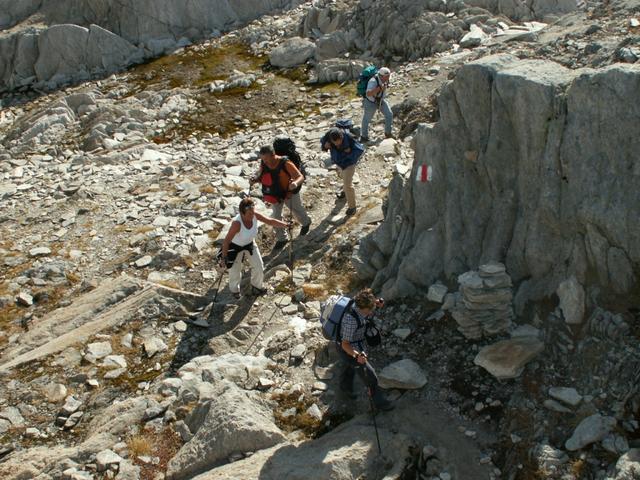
483 303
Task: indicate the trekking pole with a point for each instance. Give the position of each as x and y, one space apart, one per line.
290 228
224 269
373 411
265 325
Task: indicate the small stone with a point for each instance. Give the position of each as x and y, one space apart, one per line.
320 386
265 383
180 326
591 429
70 406
315 412
39 252
127 340
144 261
55 392
32 432
115 361
290 310
97 350
24 299
299 351
73 420
402 333
437 292
566 395
106 458
154 345
405 374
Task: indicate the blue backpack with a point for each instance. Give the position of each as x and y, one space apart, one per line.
331 313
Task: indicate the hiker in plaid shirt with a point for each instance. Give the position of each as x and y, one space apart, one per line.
352 348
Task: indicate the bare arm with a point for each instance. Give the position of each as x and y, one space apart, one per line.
296 177
233 231
271 221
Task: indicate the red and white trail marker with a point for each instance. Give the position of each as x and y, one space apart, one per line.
425 173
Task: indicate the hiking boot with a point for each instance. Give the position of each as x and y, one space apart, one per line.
384 405
279 244
350 211
389 135
340 194
258 291
305 229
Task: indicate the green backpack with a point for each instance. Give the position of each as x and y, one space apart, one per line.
364 78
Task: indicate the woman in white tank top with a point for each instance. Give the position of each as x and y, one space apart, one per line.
239 243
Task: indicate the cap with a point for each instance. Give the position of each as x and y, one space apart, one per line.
384 71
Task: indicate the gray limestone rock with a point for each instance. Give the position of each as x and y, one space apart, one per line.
405 374
591 429
572 301
566 395
507 358
429 231
236 422
292 52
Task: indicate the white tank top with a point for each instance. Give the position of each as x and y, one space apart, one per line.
246 235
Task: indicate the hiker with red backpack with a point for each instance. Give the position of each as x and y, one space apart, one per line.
372 86
345 153
349 323
281 183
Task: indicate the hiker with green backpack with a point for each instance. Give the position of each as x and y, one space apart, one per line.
372 87
349 323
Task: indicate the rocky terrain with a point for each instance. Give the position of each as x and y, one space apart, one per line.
498 224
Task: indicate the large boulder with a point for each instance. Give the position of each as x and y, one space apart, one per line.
507 358
88 38
349 452
521 175
292 52
236 422
404 374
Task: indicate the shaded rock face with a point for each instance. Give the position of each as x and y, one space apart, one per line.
86 38
531 166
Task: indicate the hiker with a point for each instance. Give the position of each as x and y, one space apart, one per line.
353 351
240 243
375 99
281 183
345 153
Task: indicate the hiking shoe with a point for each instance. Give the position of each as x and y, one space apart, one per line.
389 135
385 406
279 244
305 229
350 211
258 291
340 194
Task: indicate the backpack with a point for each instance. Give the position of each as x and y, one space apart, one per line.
273 190
286 147
345 124
331 313
366 75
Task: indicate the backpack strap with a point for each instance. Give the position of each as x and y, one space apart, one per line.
347 310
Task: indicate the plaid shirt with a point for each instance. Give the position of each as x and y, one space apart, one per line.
351 332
